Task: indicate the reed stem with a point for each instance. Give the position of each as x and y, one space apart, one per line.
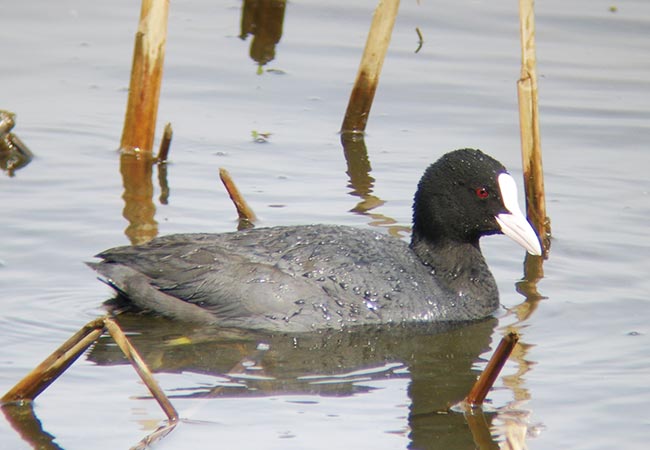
146 77
365 85
531 146
141 368
165 142
54 365
244 211
485 382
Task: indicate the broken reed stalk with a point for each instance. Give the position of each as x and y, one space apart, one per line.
54 365
531 146
485 382
141 368
365 85
165 142
243 210
146 77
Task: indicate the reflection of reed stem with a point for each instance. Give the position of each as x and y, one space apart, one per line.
529 125
363 92
146 76
139 209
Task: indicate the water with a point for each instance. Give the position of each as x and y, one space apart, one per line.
579 379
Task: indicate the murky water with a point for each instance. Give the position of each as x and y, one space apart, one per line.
579 378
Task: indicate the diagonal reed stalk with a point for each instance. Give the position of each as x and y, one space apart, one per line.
54 365
246 215
27 389
485 382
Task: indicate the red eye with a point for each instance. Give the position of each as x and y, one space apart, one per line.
482 192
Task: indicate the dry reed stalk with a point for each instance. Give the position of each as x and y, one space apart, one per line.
531 146
165 142
365 85
485 382
243 210
146 77
54 365
141 368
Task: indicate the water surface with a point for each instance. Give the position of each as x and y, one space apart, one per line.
579 378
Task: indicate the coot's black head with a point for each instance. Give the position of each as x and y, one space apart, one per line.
467 194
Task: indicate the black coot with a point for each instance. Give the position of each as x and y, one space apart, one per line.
307 277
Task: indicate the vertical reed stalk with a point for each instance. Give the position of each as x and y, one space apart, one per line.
363 92
531 146
146 77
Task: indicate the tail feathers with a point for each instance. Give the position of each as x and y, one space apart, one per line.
105 278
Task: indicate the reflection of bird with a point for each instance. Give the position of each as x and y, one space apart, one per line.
307 277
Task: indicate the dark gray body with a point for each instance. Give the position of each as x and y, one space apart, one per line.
301 278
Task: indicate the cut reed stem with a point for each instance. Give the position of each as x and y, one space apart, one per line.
146 77
54 365
485 382
141 368
365 85
244 211
165 142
